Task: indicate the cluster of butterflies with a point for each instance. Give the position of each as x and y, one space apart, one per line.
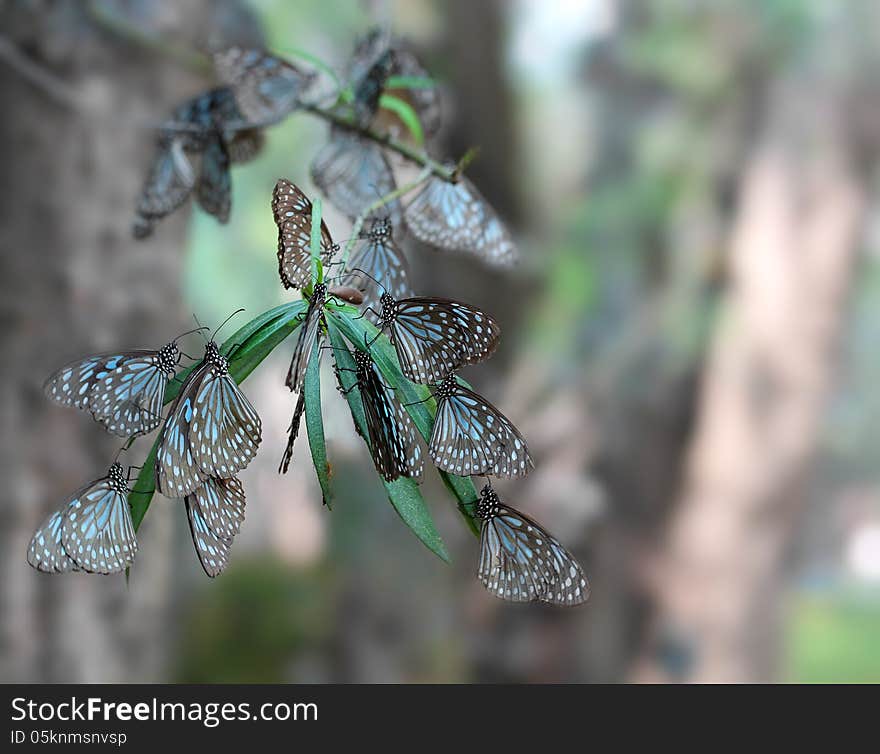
223 126
210 434
433 339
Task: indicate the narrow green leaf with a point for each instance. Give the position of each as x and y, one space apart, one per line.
405 112
314 60
252 343
422 408
404 494
317 271
315 424
410 82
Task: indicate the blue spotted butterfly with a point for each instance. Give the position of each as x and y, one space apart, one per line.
378 258
92 532
123 391
521 562
435 336
455 217
212 429
266 88
214 187
308 336
392 437
215 511
471 436
352 173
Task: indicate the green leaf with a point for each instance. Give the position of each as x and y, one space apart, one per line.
317 271
315 424
314 60
404 494
410 82
252 343
405 112
422 408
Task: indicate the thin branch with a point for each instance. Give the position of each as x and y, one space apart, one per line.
58 89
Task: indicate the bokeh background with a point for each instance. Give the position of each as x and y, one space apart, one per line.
689 344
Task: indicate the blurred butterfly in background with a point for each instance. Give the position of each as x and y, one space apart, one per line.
212 429
455 217
215 511
194 150
368 82
378 258
435 336
92 532
353 173
292 211
424 100
392 437
471 436
266 88
123 391
308 337
520 561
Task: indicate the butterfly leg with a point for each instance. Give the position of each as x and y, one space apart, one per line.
369 309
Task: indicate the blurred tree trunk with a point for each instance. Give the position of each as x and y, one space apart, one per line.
718 581
76 147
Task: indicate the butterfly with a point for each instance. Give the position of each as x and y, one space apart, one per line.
353 173
123 391
435 336
368 86
392 438
266 88
212 429
215 512
308 335
92 532
521 562
169 182
379 258
214 189
471 436
454 216
424 100
292 211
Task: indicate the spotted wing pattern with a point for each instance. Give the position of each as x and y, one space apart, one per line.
521 562
471 436
436 336
46 550
455 217
97 532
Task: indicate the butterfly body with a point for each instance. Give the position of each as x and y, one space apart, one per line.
520 561
471 436
435 336
123 391
212 429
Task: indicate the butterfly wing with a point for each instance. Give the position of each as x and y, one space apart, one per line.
97 531
305 343
222 503
169 182
177 473
244 145
226 429
71 385
435 336
46 550
353 174
214 189
292 211
211 548
393 443
455 217
127 397
382 260
471 436
266 88
521 562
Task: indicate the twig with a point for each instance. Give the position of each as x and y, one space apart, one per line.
378 204
45 80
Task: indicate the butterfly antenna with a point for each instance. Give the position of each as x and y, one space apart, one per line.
189 332
201 328
214 334
368 275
